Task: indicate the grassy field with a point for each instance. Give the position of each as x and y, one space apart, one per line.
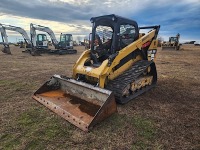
167 117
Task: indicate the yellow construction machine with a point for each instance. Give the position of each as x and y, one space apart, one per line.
118 67
172 44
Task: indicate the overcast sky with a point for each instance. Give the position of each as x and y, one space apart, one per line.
72 16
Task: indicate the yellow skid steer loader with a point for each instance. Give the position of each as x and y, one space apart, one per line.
118 67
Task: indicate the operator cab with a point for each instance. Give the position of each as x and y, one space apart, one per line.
66 41
42 41
173 39
110 34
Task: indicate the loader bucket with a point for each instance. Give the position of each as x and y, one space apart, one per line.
79 103
6 50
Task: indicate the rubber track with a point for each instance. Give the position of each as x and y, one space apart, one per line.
120 83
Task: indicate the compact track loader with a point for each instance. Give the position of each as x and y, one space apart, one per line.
118 67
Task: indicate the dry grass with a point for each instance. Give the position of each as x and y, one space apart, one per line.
167 117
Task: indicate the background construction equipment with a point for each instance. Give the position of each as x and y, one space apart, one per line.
172 44
4 36
65 46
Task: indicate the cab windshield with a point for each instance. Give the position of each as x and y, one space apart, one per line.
173 39
65 38
42 37
103 38
62 38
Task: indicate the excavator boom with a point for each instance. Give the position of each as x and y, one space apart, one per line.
4 36
34 27
3 29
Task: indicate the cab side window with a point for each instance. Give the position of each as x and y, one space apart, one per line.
126 35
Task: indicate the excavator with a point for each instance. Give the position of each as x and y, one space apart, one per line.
4 36
172 44
39 41
64 46
118 67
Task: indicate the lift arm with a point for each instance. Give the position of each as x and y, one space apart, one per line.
34 27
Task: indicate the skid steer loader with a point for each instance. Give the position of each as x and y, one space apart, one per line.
118 67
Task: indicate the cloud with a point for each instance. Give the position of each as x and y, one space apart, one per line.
71 10
46 10
73 16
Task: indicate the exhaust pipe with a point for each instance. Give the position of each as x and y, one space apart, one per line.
80 103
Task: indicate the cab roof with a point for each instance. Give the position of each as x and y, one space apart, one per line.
114 18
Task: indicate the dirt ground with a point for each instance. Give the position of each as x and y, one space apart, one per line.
166 117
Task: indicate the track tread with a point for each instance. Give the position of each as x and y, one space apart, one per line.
119 84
